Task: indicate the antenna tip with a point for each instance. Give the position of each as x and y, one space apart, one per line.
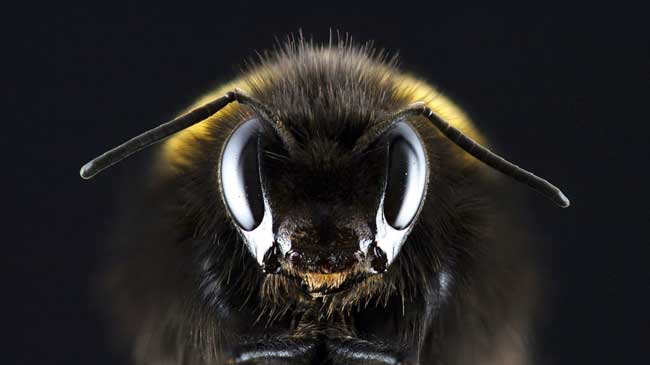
86 172
563 201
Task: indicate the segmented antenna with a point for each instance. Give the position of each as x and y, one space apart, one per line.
473 148
199 114
179 123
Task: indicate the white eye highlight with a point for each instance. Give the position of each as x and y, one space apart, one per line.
240 176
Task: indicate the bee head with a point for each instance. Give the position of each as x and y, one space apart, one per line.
320 210
324 172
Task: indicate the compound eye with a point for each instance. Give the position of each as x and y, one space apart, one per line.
240 176
406 178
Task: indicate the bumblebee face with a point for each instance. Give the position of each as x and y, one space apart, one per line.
326 215
324 205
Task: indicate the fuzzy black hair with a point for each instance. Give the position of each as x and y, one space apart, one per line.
187 290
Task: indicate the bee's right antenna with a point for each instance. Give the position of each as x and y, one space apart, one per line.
492 159
481 153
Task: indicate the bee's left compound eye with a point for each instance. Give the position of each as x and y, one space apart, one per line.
240 176
406 177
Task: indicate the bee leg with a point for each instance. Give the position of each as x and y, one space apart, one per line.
354 351
274 352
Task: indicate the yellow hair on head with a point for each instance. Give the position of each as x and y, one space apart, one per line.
419 91
178 149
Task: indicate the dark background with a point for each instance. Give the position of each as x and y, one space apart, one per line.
561 91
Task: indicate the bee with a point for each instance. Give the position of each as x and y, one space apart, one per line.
323 208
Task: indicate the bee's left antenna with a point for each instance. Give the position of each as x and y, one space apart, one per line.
179 123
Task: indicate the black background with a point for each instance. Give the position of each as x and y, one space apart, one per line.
562 91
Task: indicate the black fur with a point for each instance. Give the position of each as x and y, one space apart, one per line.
187 291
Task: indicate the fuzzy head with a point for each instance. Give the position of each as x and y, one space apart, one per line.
323 211
333 196
322 182
330 204
317 184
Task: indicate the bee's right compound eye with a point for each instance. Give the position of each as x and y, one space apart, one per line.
240 176
406 178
